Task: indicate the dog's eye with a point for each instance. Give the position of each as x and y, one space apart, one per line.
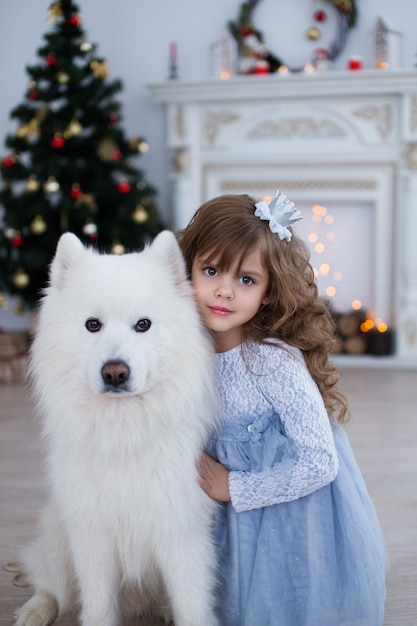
143 325
93 325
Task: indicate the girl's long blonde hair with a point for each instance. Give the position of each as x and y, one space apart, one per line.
226 229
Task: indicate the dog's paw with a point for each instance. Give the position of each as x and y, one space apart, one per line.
40 610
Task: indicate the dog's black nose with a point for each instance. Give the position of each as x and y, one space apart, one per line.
115 373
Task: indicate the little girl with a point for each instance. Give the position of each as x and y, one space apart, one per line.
299 543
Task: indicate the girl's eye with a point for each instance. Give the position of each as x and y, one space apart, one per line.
246 280
210 271
93 324
142 325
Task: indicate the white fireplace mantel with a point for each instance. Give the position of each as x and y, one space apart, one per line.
320 137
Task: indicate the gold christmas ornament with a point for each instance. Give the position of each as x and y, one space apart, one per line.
313 33
25 131
4 304
55 12
32 184
143 146
21 279
38 226
73 129
117 248
62 77
19 308
139 215
138 144
86 199
105 149
99 69
51 185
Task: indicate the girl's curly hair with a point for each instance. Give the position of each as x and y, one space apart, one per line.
226 229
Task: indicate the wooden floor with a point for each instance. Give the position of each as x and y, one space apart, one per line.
383 432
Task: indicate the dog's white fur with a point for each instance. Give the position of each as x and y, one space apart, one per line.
125 511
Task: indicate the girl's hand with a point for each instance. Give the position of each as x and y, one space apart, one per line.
214 478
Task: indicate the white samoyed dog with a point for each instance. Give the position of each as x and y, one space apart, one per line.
124 377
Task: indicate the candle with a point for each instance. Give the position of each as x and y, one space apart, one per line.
173 51
173 68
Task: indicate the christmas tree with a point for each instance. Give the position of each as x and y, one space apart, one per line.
69 166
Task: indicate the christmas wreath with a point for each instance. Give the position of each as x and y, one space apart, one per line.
255 54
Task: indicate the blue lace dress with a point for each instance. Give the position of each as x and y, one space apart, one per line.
300 543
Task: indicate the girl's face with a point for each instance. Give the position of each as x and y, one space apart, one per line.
228 299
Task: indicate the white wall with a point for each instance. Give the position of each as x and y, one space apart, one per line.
134 37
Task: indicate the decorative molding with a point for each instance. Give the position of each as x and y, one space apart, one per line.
413 114
178 121
411 156
228 186
304 127
216 119
381 116
180 160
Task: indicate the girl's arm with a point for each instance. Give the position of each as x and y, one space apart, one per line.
297 400
214 478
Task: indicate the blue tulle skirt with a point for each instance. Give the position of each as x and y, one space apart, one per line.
316 561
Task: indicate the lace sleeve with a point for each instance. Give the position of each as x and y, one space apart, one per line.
297 400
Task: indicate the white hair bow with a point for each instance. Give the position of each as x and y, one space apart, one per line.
280 213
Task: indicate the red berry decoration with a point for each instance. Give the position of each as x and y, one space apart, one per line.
17 241
57 142
9 161
93 237
113 119
33 94
75 20
320 16
51 60
123 187
75 191
116 155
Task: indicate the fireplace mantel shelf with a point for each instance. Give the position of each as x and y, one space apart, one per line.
347 136
316 84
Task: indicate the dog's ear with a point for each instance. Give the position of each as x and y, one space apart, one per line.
68 251
166 247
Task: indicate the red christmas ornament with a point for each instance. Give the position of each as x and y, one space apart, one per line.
75 191
33 94
93 237
113 119
51 60
123 187
75 20
116 155
320 16
57 142
17 241
9 161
